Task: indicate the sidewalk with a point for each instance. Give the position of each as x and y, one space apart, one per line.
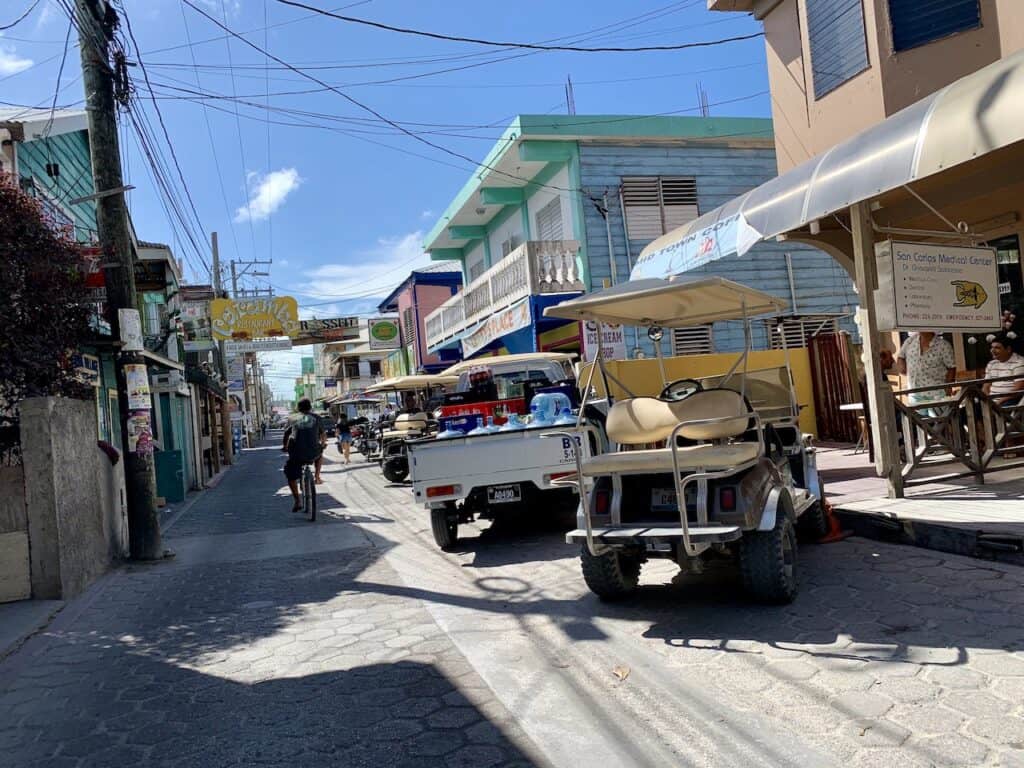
255 646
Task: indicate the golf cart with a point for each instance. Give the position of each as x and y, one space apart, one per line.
713 468
412 421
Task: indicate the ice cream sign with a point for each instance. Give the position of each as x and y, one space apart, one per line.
254 318
936 287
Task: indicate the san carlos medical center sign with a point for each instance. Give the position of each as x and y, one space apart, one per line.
936 287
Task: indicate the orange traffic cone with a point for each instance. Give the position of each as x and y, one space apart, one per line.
835 530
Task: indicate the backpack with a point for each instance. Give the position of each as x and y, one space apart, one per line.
304 444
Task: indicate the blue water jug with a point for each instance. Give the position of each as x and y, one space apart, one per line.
449 433
565 418
479 429
512 425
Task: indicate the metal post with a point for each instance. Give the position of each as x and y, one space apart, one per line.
234 281
880 397
225 411
96 23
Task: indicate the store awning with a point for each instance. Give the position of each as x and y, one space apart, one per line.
968 119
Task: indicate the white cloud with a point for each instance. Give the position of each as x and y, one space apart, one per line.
11 63
369 272
427 214
47 14
268 193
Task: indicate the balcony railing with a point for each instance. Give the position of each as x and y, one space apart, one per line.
534 268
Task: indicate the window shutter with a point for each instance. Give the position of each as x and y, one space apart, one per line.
549 221
916 22
838 42
655 205
679 197
695 340
798 331
408 327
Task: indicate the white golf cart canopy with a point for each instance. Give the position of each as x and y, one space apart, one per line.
525 358
673 302
413 383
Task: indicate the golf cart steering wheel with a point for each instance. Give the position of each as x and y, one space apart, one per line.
680 389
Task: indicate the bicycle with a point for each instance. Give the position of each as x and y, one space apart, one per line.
307 490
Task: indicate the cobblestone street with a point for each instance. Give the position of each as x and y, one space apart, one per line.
356 642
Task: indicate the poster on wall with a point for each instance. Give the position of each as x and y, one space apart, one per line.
137 380
613 341
936 287
384 333
130 324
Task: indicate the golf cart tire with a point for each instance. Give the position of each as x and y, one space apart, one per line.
763 562
444 524
396 469
813 523
611 575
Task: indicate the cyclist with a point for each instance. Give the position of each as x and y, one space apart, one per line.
304 441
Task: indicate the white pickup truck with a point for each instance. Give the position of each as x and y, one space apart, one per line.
529 471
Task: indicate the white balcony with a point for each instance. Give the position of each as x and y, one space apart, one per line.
535 268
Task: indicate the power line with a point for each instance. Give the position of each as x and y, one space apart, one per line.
60 75
528 46
21 18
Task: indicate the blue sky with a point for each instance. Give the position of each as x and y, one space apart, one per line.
342 210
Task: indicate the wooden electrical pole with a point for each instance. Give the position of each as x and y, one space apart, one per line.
225 404
96 23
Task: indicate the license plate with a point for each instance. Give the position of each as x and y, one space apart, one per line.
504 494
664 499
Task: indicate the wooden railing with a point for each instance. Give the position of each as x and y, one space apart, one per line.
534 268
967 428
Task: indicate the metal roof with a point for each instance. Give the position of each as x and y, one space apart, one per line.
967 119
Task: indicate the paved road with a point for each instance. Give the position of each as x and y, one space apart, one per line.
356 642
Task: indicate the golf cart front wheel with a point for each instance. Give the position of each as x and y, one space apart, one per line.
444 524
813 523
768 561
611 575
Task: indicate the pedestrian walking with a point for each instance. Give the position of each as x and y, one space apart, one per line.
344 430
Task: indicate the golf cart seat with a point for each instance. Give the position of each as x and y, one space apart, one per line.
406 425
714 416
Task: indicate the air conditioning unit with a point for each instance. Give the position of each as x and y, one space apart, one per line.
173 381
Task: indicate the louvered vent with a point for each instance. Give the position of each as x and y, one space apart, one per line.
696 340
658 204
799 330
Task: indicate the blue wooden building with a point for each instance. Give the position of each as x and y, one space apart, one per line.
565 203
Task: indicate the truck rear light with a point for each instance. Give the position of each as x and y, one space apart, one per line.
727 499
555 476
602 501
442 490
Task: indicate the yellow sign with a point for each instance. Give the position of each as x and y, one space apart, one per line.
254 318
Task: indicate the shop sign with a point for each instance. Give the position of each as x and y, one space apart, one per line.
936 287
257 345
385 333
613 341
308 365
317 331
497 325
87 368
137 379
199 345
330 383
254 318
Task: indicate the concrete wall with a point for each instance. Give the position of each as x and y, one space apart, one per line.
15 578
74 498
806 127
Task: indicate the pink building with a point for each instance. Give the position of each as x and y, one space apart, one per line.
423 291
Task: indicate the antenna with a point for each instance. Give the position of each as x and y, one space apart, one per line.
703 106
570 97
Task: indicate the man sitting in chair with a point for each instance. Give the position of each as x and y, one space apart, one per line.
1004 362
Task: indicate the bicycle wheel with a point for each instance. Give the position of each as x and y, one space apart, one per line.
309 494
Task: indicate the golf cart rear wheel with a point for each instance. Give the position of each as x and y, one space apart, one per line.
768 561
611 575
444 524
396 469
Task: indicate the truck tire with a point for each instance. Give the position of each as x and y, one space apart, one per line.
768 562
396 468
612 575
444 524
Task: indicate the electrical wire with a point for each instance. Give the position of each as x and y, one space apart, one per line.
527 46
60 75
21 18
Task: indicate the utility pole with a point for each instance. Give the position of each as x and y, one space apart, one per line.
96 23
225 409
234 281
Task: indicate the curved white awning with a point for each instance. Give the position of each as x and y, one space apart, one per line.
967 119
